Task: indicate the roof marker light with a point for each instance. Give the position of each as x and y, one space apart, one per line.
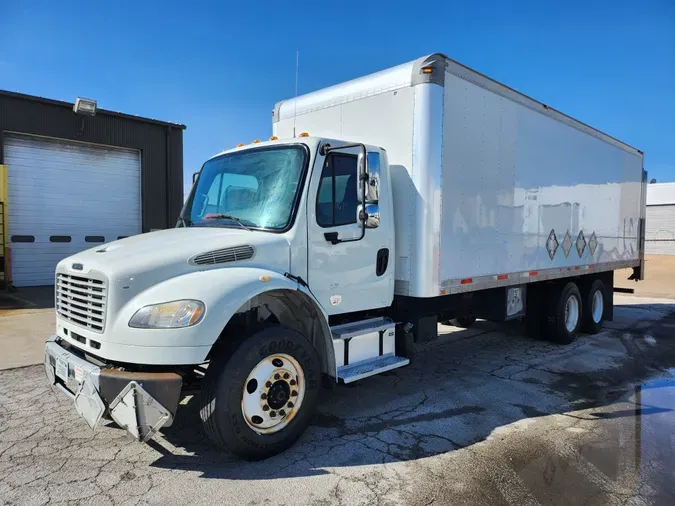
256 141
303 134
274 138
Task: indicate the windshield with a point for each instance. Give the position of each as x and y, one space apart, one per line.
253 188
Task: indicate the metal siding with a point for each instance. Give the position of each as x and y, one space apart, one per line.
512 174
660 230
33 115
66 188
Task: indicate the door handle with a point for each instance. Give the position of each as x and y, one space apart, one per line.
331 237
382 261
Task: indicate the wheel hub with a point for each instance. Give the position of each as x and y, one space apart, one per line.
273 393
279 394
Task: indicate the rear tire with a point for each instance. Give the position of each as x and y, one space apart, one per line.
563 314
593 314
275 376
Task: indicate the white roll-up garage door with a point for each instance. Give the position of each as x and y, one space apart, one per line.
660 230
64 197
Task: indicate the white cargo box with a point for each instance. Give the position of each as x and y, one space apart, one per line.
490 186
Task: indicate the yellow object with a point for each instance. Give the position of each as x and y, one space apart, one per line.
264 278
427 70
256 141
274 138
303 134
239 145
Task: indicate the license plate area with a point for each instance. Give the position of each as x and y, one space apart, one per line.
61 368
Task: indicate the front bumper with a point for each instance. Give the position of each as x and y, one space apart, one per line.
139 402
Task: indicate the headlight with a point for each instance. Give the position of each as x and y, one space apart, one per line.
169 315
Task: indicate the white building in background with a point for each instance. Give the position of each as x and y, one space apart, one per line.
660 231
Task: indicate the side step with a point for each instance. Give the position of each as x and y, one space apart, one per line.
365 348
360 370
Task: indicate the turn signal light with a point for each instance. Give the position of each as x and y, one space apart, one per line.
427 70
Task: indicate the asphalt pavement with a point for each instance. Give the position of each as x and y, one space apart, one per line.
482 416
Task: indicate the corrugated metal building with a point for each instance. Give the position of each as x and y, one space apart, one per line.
73 180
660 223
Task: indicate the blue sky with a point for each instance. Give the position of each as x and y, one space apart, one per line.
220 67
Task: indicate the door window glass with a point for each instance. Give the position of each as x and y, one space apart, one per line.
337 199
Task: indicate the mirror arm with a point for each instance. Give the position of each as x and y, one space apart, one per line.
327 148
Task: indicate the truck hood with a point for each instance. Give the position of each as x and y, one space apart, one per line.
144 260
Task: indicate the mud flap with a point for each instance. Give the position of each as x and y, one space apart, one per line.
138 412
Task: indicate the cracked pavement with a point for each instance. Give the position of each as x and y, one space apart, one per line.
483 416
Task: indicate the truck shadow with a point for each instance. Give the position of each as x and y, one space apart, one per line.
457 391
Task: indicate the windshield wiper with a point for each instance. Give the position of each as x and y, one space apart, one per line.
184 221
227 217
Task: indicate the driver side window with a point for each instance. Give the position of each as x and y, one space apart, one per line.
337 200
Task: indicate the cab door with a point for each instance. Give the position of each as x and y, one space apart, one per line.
346 272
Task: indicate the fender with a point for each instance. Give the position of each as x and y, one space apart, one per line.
224 292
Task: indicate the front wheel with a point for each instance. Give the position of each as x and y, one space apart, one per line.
258 401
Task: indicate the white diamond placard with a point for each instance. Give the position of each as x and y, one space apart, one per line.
551 244
581 243
592 244
567 244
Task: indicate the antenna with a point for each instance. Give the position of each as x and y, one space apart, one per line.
295 102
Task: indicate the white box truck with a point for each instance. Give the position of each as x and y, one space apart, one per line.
421 194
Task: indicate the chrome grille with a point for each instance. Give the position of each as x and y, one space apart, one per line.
224 255
82 300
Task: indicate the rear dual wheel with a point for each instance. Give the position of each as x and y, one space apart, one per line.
593 313
569 311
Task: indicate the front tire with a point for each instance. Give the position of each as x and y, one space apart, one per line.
258 401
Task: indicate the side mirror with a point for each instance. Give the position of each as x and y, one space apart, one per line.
195 176
373 181
371 216
362 170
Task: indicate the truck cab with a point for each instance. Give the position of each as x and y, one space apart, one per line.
278 243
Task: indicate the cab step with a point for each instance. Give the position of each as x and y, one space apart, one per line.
365 348
365 368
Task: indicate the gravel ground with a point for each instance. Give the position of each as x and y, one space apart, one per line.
481 416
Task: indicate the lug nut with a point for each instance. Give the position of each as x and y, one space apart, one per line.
294 393
290 405
276 377
282 412
273 414
266 407
292 382
286 376
268 384
263 396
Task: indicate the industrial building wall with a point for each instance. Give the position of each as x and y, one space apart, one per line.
160 144
660 222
